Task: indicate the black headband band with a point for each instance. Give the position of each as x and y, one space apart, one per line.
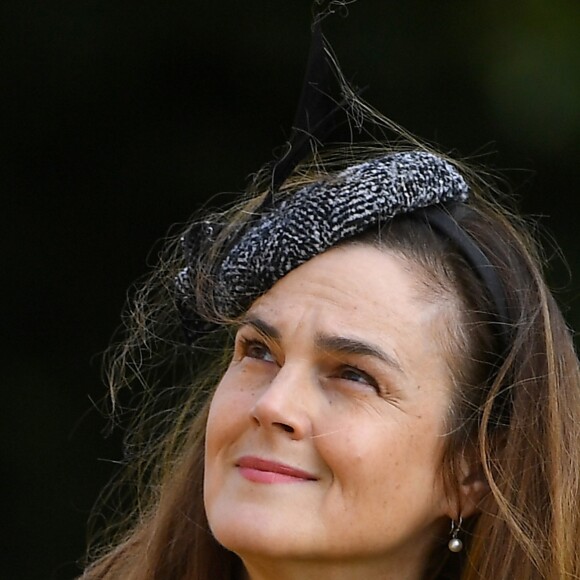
441 220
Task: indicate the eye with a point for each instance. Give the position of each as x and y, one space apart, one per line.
355 375
256 349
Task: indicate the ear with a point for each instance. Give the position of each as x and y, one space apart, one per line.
470 486
473 486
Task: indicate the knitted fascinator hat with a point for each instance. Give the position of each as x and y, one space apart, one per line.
288 230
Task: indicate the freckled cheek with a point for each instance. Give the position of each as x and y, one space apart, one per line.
228 414
346 451
237 388
378 456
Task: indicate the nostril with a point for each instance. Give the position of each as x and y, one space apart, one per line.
286 427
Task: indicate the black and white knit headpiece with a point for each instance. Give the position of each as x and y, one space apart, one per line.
287 231
322 214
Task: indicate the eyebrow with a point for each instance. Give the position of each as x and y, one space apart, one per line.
267 330
336 344
355 346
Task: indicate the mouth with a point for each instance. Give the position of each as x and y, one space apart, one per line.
264 471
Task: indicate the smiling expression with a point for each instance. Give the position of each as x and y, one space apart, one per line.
325 435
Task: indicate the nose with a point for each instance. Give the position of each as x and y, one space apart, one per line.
286 404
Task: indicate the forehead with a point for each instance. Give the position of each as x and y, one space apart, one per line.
361 291
354 280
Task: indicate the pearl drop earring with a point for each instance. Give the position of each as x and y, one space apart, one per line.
455 544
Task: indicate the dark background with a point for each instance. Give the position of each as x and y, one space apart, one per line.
117 118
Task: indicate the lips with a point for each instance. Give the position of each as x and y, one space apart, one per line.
264 471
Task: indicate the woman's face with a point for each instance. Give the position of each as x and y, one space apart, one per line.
325 435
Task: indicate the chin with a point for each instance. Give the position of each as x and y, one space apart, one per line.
253 535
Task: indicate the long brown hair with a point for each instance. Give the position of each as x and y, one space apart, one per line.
520 416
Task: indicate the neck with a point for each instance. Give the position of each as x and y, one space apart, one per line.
409 569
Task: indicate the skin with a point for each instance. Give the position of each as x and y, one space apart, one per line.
363 417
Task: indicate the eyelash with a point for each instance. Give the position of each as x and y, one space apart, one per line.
246 346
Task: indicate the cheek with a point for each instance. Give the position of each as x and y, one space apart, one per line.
384 455
225 422
228 411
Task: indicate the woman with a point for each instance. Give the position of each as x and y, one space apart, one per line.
379 394
399 396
